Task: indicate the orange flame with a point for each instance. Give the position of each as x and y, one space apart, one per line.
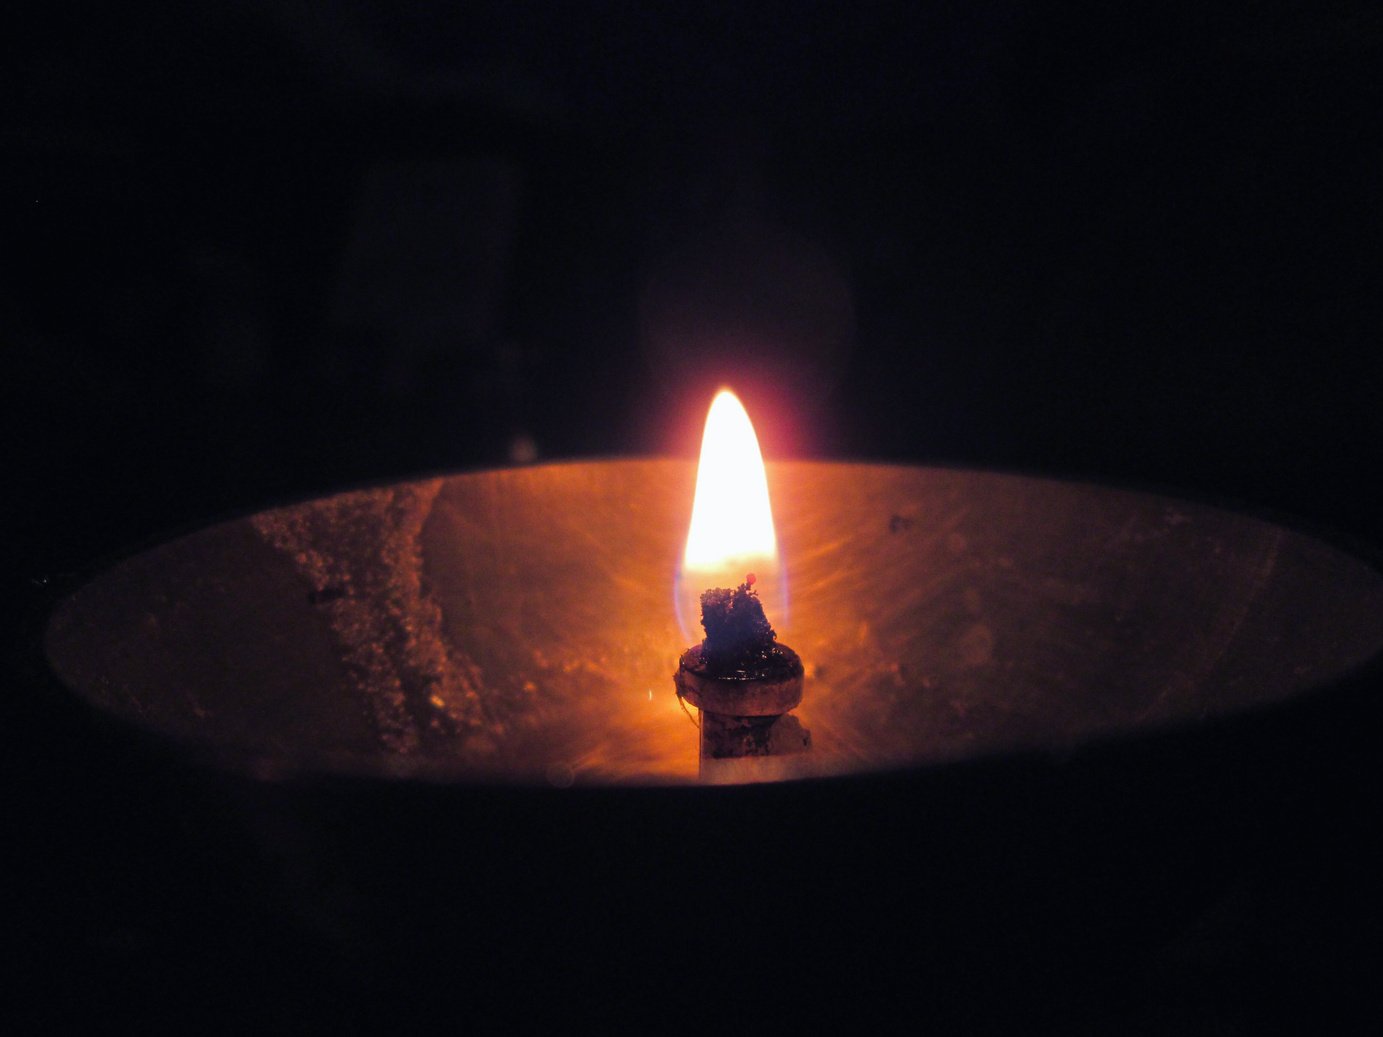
731 532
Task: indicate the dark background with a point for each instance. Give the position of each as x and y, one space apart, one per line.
250 252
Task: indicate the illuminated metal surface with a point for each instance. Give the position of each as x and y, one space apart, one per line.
516 625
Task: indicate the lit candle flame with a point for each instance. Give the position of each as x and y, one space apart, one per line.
731 532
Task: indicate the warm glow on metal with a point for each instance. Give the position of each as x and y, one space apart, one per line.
731 532
731 523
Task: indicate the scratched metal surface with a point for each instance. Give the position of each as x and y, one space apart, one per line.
518 625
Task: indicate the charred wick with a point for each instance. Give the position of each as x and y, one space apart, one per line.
740 642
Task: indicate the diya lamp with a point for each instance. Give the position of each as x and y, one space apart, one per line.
1042 714
514 625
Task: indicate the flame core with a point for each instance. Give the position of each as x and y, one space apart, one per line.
731 532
